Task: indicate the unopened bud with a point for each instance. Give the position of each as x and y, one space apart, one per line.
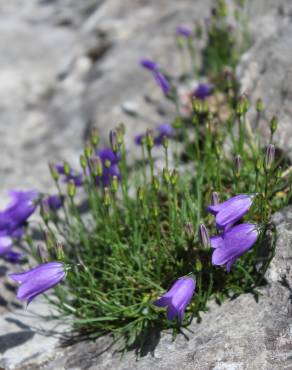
49 240
155 183
88 150
43 253
141 194
71 189
67 169
242 105
174 177
82 161
204 236
222 9
197 106
269 157
114 184
166 175
149 139
106 197
94 136
45 211
53 171
259 105
121 129
114 141
238 163
198 265
258 165
215 198
165 142
189 230
274 125
60 251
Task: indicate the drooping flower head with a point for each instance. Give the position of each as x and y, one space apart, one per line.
183 31
38 280
178 297
233 243
229 212
71 176
110 168
161 131
15 215
203 91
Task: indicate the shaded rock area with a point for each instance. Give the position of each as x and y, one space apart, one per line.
66 65
242 334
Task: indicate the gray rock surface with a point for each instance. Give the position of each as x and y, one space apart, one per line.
265 70
242 334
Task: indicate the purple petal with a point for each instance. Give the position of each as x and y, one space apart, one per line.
14 257
237 241
217 241
44 269
183 31
171 312
149 64
203 91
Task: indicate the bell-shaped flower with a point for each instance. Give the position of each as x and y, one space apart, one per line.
178 297
110 167
203 91
229 212
161 131
38 280
15 215
233 243
54 202
149 64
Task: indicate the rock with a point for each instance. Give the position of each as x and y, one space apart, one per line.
265 70
241 334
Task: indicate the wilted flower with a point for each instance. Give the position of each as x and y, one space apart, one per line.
72 175
37 280
178 297
183 31
14 216
229 212
110 168
233 243
161 131
149 64
203 91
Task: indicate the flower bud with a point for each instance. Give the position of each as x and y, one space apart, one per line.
259 105
106 197
197 106
174 177
204 236
114 184
165 142
114 141
258 165
238 163
60 251
88 151
43 253
269 157
274 125
222 8
242 105
53 171
155 183
166 175
82 161
45 211
149 139
189 230
141 194
198 265
71 189
49 240
67 169
94 136
121 133
215 198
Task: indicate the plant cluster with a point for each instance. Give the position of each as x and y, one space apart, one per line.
120 238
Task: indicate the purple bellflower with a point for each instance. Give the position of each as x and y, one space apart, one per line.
37 280
15 215
203 91
7 253
161 131
232 244
110 167
73 175
14 257
229 212
183 31
178 297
